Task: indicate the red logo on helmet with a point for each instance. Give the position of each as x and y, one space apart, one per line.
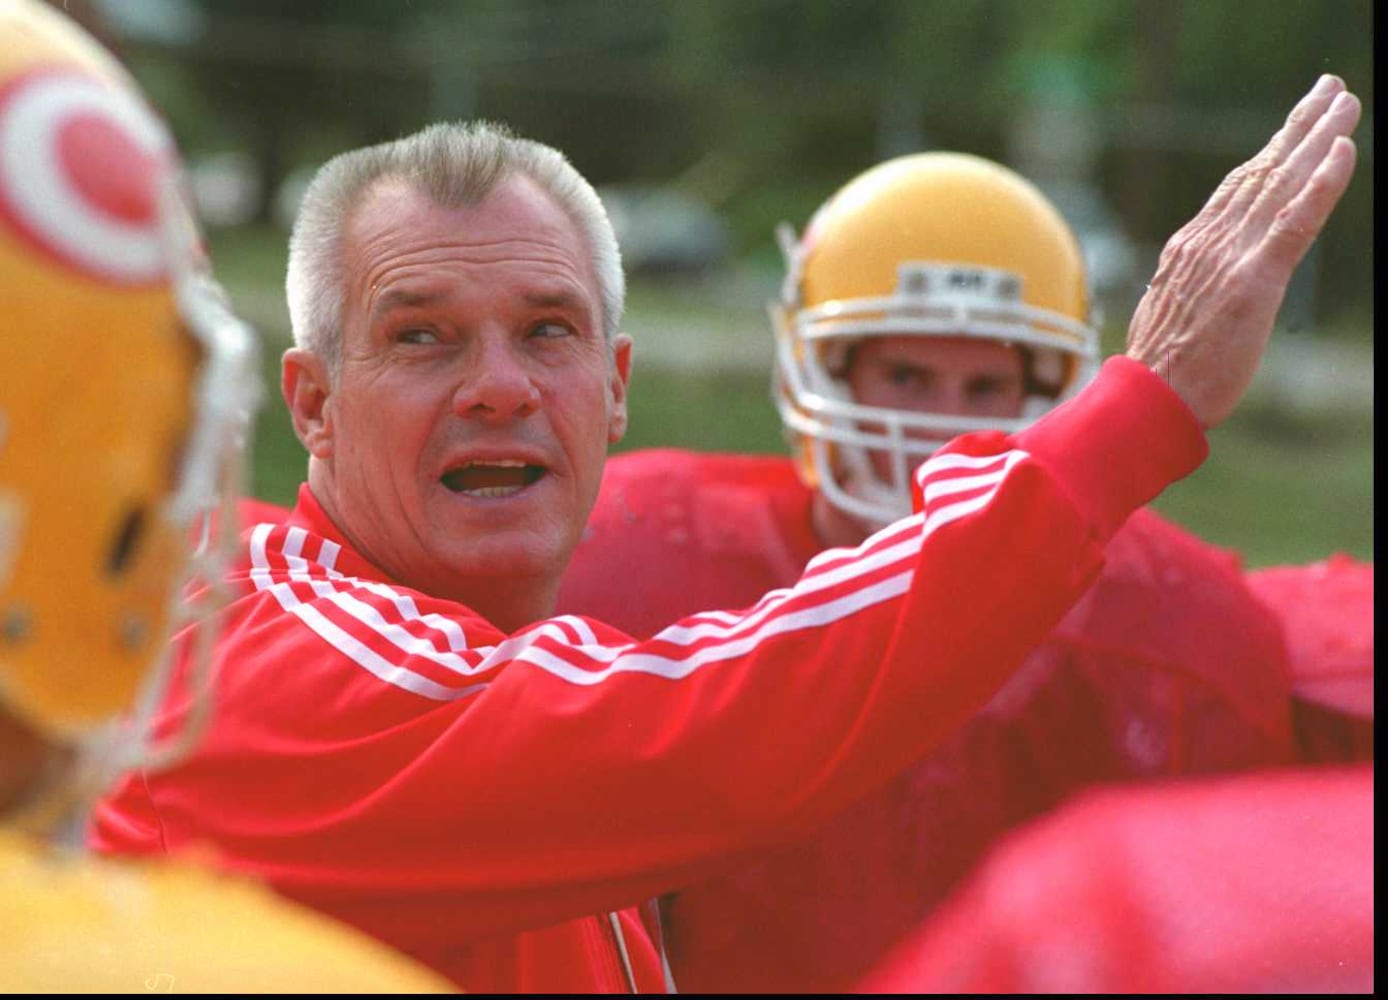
81 167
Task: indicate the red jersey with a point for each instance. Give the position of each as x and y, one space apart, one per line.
1254 883
1327 612
1167 666
473 798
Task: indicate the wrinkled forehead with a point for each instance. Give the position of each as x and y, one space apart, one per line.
397 224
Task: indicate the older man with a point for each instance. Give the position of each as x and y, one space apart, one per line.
404 743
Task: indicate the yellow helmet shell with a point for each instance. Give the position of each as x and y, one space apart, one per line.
947 207
74 924
97 377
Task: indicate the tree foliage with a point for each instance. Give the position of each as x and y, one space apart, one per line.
764 107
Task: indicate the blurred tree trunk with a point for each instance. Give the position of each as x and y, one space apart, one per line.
1143 189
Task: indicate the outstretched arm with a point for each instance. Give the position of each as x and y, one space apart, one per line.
1206 317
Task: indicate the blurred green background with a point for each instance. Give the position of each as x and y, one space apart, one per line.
704 123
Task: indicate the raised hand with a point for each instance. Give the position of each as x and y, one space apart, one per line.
1206 317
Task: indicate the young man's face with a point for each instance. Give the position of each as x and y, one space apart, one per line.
945 376
465 435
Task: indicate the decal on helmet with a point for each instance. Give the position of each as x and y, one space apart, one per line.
81 164
927 279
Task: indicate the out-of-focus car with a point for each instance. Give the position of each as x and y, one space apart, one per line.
663 230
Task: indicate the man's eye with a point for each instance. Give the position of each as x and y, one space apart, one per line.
550 330
416 337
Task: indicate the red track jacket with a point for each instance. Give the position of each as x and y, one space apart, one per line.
474 798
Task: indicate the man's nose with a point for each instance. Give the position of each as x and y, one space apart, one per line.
950 400
498 386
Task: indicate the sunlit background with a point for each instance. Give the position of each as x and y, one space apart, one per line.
704 123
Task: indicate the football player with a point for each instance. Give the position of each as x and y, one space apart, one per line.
934 294
126 387
1259 882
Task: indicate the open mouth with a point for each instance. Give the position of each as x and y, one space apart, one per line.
499 478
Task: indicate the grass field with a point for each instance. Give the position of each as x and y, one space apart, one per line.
1284 483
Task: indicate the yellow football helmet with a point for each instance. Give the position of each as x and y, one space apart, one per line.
933 245
126 385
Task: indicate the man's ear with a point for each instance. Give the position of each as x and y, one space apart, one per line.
305 386
619 376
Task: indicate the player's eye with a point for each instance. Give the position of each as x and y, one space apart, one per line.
990 388
906 376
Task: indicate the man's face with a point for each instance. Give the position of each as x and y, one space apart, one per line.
947 376
465 435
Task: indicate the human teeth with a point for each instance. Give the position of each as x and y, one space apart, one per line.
499 478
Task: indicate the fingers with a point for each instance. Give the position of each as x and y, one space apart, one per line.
1303 118
1299 194
1252 208
1210 308
1245 182
1287 177
1297 226
1301 161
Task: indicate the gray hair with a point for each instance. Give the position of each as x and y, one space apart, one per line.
455 164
